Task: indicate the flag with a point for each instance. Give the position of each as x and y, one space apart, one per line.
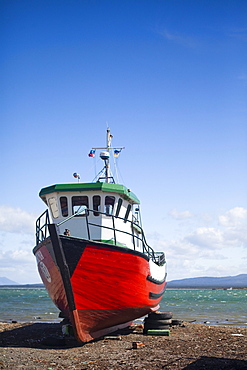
116 153
91 153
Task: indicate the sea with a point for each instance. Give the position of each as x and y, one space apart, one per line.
210 307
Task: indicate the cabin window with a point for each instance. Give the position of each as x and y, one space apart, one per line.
78 205
109 204
119 204
127 213
64 206
96 204
53 207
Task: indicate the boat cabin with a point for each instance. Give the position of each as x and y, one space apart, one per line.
100 211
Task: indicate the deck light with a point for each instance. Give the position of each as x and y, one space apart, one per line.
77 176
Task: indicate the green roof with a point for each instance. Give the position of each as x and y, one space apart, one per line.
92 186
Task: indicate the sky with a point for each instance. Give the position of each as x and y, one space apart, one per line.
169 77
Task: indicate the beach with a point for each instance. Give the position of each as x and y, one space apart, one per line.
33 346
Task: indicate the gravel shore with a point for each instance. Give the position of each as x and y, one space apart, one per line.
34 346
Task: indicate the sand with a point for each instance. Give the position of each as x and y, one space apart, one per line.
189 346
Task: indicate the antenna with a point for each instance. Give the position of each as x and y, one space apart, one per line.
105 155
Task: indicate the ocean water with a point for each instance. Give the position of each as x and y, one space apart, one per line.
213 307
27 304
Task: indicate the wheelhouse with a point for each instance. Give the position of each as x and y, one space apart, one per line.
103 206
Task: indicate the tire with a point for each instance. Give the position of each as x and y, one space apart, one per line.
158 322
156 326
160 315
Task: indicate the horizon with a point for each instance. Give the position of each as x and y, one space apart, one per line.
169 78
196 277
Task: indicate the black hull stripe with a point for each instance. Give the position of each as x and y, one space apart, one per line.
156 295
155 281
113 247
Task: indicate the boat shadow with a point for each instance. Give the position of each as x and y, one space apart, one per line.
37 335
44 336
209 363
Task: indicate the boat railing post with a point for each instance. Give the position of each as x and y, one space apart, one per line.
37 230
88 230
47 221
133 236
144 249
114 230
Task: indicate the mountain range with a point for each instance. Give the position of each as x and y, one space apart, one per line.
6 281
239 281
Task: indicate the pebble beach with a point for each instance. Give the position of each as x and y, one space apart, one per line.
32 346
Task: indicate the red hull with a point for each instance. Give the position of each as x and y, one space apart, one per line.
106 286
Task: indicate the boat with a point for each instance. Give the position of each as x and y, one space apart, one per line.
92 254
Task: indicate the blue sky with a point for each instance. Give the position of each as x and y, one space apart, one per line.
169 78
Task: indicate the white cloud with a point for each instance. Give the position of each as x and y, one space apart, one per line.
16 220
180 215
17 229
212 255
181 248
230 233
19 265
207 238
234 217
15 257
207 251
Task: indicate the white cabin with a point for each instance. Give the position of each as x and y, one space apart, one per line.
99 211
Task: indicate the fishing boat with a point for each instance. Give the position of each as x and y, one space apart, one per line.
92 254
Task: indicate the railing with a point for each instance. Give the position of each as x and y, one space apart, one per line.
157 257
42 231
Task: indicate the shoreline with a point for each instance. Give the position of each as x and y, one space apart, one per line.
190 345
135 322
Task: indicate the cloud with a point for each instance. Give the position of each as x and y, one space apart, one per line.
17 240
16 220
16 257
207 237
180 215
208 251
19 265
234 217
230 233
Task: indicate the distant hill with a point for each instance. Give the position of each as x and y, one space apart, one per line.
6 281
239 281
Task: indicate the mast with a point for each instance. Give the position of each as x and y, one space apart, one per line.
107 161
105 156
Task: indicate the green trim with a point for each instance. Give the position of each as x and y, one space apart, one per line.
92 186
111 242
